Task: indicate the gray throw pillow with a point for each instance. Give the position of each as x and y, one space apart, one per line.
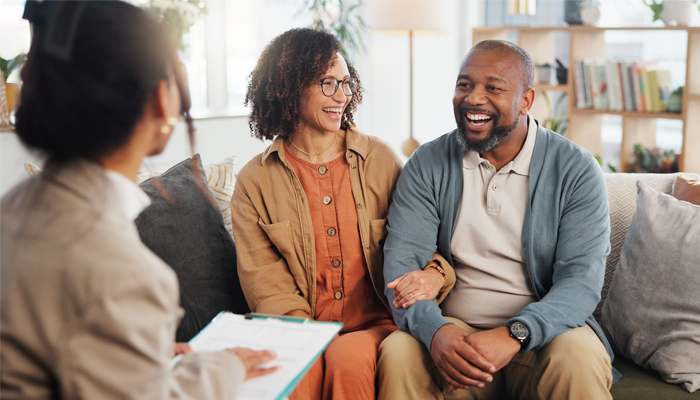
184 228
652 314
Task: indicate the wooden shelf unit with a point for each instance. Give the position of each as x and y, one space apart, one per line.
584 125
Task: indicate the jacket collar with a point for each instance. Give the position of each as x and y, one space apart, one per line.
88 181
355 140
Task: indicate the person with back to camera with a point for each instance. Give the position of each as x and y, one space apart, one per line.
88 311
309 212
522 212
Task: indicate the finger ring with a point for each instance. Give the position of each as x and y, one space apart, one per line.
411 294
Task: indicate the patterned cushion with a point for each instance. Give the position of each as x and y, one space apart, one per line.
220 179
622 196
221 182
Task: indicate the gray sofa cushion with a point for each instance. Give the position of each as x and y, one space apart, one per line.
652 313
622 197
184 228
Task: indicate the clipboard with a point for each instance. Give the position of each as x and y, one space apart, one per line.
297 341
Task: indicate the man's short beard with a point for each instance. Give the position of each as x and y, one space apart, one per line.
497 134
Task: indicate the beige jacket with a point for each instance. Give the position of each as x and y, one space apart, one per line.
273 230
88 312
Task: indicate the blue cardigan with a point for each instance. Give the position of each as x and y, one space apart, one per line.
565 238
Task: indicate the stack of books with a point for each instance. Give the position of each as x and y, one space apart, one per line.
638 86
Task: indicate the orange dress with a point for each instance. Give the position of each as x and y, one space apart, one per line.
344 290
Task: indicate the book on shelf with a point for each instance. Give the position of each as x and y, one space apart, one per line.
602 84
582 95
660 88
627 89
637 67
612 78
641 86
646 92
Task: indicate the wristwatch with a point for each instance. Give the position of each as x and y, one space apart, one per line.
519 332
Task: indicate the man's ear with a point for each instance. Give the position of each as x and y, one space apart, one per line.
527 100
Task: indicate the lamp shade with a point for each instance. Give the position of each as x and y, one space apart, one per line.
427 16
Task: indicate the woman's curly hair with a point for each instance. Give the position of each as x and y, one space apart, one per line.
291 63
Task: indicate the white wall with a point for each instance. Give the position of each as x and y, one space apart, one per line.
436 59
384 112
216 139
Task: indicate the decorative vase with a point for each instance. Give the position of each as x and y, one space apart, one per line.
674 103
572 12
677 12
12 92
4 111
544 74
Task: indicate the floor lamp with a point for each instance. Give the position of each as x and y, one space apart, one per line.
410 17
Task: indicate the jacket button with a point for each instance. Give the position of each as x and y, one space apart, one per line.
353 166
322 170
327 200
359 205
338 295
331 231
335 262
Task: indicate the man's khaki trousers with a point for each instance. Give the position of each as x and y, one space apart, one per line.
574 365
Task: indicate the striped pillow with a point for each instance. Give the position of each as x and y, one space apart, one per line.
220 179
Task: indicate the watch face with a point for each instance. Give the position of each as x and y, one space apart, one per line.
519 331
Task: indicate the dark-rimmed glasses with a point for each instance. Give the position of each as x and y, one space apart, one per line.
329 86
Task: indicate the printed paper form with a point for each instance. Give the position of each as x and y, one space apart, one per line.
297 345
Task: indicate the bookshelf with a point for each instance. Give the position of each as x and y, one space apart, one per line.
585 124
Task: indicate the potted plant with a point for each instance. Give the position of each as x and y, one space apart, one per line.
11 89
179 15
340 18
544 73
675 101
654 160
556 121
672 12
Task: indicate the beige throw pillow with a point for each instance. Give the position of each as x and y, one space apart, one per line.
687 189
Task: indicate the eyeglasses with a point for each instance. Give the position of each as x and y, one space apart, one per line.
330 85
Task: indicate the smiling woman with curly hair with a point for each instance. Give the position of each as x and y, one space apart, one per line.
276 85
309 213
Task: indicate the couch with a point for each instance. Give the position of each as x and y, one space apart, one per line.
210 260
636 383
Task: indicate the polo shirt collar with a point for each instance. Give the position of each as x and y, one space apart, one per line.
521 163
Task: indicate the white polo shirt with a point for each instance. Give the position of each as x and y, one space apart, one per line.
492 281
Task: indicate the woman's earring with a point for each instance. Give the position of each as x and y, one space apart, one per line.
168 127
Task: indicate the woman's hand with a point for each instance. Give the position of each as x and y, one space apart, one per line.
182 348
252 360
416 285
